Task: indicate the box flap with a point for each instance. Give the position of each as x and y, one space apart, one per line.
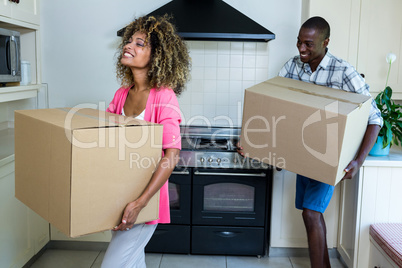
308 94
80 118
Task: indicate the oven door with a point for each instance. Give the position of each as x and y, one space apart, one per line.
175 237
231 197
180 196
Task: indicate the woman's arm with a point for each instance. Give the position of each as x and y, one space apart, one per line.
159 178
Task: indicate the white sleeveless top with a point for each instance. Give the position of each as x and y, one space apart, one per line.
140 116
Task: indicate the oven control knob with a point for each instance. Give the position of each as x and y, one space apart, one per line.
218 160
202 159
210 160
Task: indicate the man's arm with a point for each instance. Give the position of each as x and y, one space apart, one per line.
369 139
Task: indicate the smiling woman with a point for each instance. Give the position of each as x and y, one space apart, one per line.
135 53
153 66
170 61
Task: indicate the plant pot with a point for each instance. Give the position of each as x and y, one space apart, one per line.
377 149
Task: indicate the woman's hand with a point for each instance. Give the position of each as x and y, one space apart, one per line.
159 178
130 215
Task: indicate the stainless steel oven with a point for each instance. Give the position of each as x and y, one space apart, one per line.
229 197
230 211
220 202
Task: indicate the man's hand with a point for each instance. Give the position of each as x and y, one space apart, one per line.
368 141
351 170
239 149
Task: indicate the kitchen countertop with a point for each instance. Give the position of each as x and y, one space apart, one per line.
394 159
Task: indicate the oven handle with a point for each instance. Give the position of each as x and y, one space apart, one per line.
184 172
230 174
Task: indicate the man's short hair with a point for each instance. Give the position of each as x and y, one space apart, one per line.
318 23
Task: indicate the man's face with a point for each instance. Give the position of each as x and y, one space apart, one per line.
312 46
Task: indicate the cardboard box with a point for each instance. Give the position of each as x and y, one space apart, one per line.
78 168
308 129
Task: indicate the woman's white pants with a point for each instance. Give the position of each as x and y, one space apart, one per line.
126 249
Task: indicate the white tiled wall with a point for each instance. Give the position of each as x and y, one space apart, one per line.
220 73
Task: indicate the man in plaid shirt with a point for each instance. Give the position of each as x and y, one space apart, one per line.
316 65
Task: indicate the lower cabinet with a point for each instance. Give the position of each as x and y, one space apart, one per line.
22 232
378 258
373 197
228 213
170 238
228 240
287 227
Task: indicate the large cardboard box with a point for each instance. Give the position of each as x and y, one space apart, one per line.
78 168
308 129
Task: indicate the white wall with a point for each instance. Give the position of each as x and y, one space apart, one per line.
79 44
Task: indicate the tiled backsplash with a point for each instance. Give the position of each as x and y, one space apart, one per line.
220 73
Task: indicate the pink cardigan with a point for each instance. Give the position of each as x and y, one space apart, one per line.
162 108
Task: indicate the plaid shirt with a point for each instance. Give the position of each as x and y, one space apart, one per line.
332 72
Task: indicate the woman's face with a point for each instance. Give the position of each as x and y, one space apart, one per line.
136 54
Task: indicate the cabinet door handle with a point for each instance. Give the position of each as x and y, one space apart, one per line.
226 234
184 172
229 174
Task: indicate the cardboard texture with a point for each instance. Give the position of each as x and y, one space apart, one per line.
78 168
311 130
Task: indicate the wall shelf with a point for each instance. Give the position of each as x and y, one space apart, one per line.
18 93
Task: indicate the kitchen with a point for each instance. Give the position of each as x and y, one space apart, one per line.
78 42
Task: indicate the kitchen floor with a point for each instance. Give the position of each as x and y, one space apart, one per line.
56 258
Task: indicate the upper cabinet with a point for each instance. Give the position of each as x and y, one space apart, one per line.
344 23
24 18
380 34
363 32
27 11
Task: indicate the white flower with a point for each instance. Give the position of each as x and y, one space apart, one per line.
391 57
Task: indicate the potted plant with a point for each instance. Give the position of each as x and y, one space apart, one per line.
391 131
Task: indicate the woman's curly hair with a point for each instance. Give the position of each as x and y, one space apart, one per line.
170 61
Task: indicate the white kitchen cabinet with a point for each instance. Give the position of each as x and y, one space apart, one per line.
287 227
363 32
14 96
373 197
23 233
5 8
380 34
343 18
378 257
27 11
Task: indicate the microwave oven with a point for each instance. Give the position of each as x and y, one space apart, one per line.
10 62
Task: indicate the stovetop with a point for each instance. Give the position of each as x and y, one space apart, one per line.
213 147
209 144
